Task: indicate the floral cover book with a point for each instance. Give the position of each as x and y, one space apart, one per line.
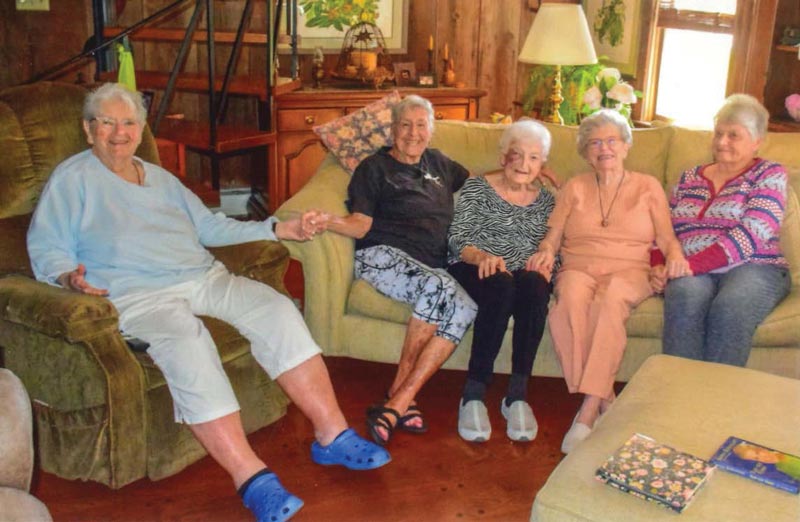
760 463
655 472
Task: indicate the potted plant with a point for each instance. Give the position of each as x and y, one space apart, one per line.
575 81
585 88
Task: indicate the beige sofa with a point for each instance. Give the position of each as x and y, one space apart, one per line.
349 318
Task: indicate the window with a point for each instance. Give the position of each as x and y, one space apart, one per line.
687 85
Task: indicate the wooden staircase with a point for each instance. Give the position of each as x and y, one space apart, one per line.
213 138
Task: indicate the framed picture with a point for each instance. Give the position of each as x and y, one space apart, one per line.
426 80
323 23
405 73
616 31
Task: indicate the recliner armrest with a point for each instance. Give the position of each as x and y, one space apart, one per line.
54 311
265 261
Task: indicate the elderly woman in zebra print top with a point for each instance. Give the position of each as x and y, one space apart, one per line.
500 218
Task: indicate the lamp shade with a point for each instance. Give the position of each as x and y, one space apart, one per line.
559 36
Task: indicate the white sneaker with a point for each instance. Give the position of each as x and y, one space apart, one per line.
521 425
576 434
473 421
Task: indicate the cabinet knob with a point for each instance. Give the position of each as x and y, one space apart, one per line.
439 116
310 120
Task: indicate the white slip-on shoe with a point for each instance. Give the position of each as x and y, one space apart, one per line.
576 434
473 421
521 424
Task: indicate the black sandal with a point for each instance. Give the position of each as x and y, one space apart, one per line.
413 412
376 418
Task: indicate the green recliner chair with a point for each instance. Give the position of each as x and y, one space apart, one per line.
102 411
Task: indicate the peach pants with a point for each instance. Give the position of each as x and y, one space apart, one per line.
587 324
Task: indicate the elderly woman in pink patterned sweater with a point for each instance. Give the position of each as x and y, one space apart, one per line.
727 216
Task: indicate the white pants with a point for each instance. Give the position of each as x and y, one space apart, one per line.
183 350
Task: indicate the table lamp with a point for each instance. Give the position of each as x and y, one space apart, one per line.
559 36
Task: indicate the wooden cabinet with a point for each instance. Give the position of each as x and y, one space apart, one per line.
299 151
783 76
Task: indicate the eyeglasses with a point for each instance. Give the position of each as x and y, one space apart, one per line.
609 142
110 123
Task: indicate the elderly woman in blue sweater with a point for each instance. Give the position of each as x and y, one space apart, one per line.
499 221
111 224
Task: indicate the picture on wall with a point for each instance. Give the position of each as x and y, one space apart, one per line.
615 26
324 23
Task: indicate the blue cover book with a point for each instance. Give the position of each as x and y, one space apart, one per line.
761 463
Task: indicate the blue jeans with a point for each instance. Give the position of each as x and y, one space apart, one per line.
713 317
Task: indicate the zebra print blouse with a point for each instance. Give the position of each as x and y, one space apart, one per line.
486 221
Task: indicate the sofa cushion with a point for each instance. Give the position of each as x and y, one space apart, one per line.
647 155
355 136
473 145
690 147
365 300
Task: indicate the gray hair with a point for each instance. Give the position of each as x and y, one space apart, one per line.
602 118
113 91
526 129
412 101
744 110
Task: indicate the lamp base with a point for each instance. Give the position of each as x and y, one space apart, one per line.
556 98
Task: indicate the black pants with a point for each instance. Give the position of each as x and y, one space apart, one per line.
523 294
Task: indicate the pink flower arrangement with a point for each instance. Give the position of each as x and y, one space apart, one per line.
793 106
611 92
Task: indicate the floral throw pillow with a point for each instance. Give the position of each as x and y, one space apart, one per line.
353 137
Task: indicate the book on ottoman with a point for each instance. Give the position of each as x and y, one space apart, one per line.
655 472
754 461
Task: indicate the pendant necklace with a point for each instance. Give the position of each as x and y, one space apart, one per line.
603 214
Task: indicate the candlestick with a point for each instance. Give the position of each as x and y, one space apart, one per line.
446 53
430 43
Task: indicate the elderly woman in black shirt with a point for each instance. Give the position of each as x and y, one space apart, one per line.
401 204
499 221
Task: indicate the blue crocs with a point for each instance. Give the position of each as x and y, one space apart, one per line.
269 501
351 451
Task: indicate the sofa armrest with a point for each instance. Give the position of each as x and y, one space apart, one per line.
328 259
16 433
265 261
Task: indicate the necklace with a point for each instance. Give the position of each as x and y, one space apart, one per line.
139 180
603 213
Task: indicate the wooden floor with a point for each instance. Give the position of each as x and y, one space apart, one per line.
435 476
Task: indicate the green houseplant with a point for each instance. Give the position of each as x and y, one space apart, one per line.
585 88
575 81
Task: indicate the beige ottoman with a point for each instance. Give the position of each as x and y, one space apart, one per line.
691 406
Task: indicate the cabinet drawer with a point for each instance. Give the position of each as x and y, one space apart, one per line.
305 119
450 112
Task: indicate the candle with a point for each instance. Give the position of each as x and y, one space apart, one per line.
446 53
430 43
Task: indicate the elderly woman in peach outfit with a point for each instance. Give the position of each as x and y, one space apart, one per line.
604 225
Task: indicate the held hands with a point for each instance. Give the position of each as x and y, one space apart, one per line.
76 281
658 278
303 227
541 261
676 267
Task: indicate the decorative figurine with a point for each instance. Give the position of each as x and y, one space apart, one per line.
317 69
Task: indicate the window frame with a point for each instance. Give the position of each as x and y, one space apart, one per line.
750 27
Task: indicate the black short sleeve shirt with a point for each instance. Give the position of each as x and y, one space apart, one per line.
411 206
